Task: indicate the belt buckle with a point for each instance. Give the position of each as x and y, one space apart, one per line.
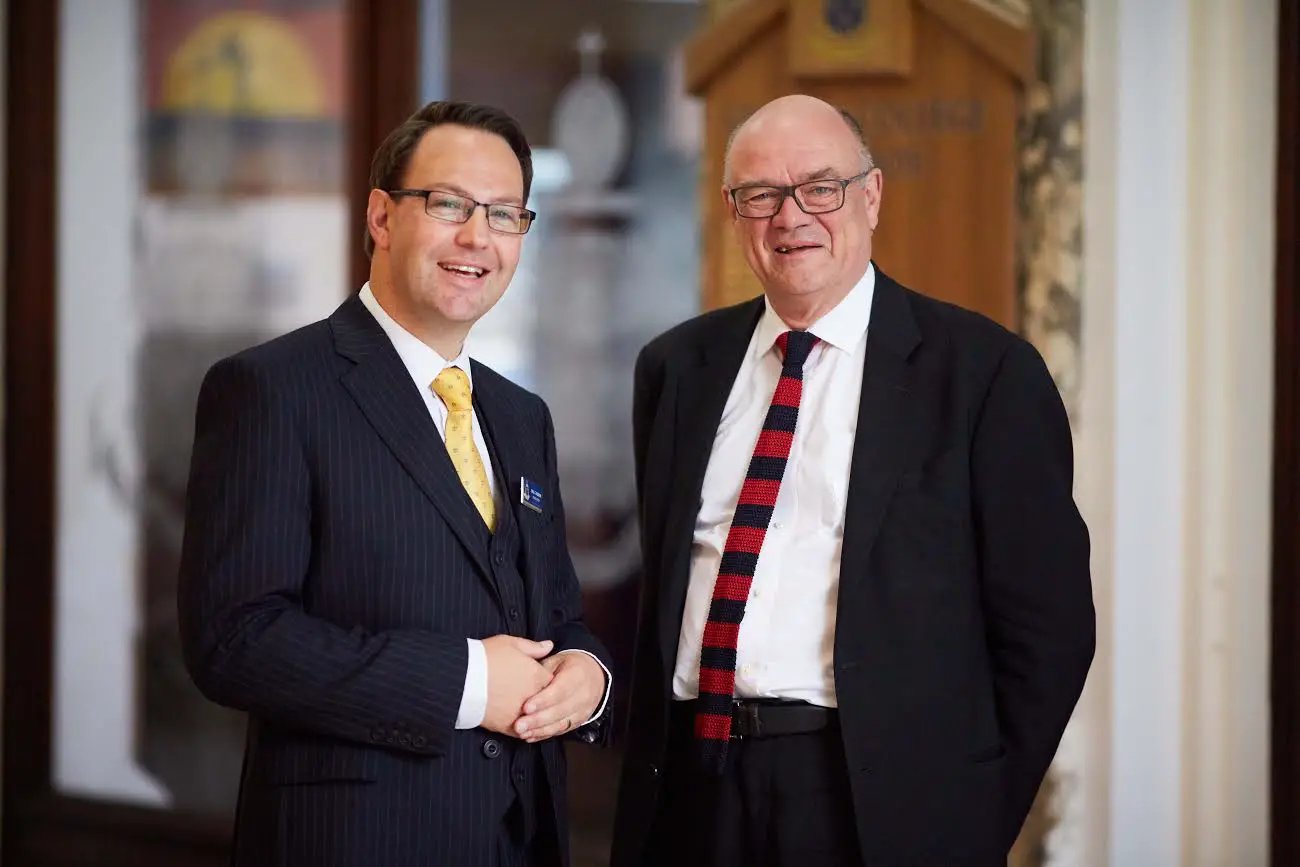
748 713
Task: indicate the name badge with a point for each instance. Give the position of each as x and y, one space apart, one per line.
530 495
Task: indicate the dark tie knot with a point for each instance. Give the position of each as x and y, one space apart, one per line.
795 346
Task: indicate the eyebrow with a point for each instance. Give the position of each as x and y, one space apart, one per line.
461 191
804 178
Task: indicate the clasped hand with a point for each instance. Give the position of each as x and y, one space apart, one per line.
534 695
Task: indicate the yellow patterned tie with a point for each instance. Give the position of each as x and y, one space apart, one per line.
452 385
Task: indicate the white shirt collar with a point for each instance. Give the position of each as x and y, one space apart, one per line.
842 327
423 362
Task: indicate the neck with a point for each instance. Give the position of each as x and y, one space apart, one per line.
799 312
442 337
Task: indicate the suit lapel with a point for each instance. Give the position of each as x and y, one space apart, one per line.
519 456
887 425
521 453
383 390
514 456
703 384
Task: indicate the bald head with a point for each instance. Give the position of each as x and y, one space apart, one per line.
792 119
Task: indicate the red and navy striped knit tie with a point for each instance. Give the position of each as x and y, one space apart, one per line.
740 553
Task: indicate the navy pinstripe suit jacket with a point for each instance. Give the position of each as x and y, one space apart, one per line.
333 567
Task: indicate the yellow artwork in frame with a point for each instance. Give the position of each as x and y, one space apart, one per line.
830 38
244 63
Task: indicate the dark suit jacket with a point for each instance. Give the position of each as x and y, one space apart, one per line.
333 568
965 619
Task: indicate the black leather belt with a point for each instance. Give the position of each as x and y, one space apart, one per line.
764 718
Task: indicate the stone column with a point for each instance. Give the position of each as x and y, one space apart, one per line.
1051 274
1051 195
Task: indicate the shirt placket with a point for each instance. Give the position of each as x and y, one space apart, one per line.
758 645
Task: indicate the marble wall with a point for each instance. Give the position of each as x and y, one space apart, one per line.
1051 281
1050 270
1051 194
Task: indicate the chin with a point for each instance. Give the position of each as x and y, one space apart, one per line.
455 298
795 287
463 313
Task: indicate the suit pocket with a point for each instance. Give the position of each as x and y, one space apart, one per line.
937 490
932 472
304 762
534 514
925 540
995 753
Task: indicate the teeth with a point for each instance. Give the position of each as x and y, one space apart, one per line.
465 269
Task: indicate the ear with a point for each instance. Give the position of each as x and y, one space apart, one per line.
379 210
728 204
873 187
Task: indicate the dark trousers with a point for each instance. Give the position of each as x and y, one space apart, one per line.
525 843
781 801
513 851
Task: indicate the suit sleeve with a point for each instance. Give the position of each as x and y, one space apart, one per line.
247 641
1034 549
570 632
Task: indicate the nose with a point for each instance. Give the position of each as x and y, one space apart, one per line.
790 216
473 232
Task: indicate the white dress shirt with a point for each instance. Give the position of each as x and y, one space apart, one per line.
786 641
424 364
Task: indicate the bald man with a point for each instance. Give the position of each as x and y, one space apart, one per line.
867 612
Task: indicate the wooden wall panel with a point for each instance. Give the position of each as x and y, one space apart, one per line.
945 138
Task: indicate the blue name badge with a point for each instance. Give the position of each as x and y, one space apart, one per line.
530 495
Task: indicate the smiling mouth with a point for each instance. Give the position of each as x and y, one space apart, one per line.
788 249
472 271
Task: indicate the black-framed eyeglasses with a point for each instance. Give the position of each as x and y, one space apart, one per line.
455 208
813 197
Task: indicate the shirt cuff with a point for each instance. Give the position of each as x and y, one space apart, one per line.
609 681
473 701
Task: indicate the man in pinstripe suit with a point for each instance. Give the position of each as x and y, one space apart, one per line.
374 565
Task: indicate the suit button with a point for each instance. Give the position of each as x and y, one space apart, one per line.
492 748
499 557
654 770
514 613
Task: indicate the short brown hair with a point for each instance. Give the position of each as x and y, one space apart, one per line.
391 160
